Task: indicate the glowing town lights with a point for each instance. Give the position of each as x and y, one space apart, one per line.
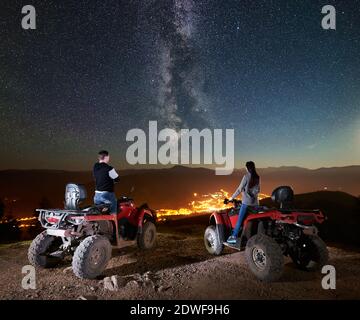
27 225
26 219
22 220
203 204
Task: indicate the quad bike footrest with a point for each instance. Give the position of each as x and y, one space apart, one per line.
235 246
57 254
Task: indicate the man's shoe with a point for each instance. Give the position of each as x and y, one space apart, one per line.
231 240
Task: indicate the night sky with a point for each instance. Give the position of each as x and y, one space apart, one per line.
92 70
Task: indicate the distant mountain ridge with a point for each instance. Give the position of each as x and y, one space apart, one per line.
181 167
168 187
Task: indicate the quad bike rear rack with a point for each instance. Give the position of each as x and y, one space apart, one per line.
61 214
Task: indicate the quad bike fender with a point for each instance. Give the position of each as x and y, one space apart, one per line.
292 217
248 229
145 213
216 219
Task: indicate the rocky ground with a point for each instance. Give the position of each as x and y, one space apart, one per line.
179 268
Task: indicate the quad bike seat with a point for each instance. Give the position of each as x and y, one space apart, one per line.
283 195
74 195
103 208
97 209
257 209
290 210
124 199
250 210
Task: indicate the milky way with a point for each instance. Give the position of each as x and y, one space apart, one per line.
181 102
92 70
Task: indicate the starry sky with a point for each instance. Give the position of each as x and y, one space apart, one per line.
92 70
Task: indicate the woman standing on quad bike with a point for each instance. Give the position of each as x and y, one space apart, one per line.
250 188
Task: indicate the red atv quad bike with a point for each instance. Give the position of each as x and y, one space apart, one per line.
269 234
87 234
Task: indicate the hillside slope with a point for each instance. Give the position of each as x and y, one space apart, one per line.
179 268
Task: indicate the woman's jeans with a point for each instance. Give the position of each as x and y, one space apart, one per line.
106 197
242 213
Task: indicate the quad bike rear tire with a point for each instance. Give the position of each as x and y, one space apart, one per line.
41 246
264 257
315 258
212 241
147 238
91 257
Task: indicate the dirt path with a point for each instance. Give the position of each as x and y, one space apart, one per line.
179 268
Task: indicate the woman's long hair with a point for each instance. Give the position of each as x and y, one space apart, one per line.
254 179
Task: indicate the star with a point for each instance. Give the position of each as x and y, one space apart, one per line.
88 74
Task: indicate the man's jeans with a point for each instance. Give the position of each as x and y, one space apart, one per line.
106 197
242 213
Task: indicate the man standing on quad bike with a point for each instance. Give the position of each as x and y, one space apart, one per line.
250 188
105 176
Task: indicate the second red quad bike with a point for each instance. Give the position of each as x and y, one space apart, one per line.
269 234
87 234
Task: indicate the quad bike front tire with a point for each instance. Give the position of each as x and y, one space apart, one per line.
316 256
147 238
212 241
106 228
264 257
41 247
91 257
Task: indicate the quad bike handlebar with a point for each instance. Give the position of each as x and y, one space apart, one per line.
234 201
